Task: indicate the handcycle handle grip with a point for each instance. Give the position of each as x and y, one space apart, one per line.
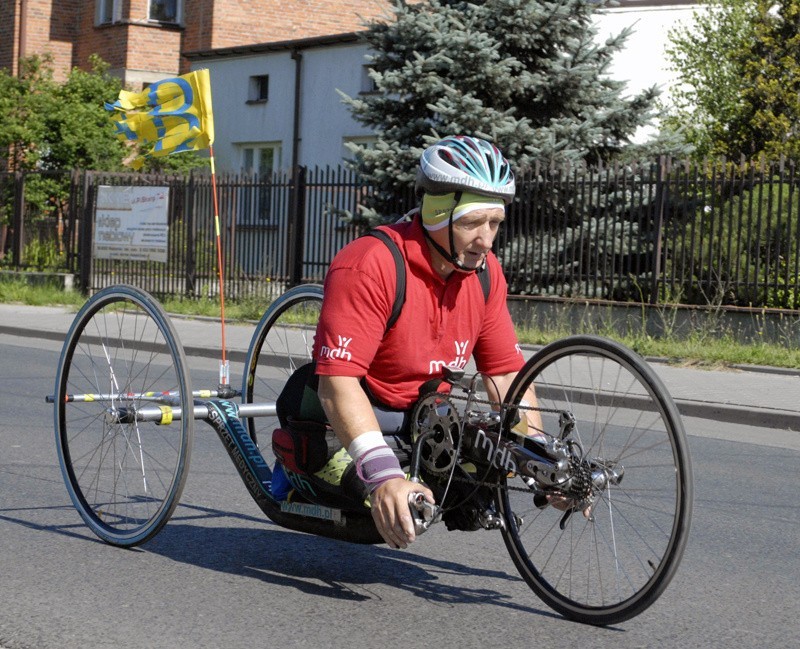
424 513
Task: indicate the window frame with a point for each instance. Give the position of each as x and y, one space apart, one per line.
256 92
256 148
178 13
257 209
367 141
101 7
368 85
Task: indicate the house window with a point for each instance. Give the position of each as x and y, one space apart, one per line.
107 11
261 158
367 82
166 11
258 91
256 198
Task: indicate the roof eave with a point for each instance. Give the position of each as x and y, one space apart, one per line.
276 46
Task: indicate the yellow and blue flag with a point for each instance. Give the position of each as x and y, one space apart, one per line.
169 116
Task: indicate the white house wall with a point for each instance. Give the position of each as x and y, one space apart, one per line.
235 121
643 62
324 119
327 122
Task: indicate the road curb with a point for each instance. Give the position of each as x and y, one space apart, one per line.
22 332
736 414
721 412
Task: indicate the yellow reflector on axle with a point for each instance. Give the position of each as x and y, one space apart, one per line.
166 416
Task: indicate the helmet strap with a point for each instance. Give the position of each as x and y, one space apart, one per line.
451 256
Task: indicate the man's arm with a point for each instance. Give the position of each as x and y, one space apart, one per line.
497 388
350 414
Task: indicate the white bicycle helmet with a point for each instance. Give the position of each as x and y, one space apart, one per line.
463 163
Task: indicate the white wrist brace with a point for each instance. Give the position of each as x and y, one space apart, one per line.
375 461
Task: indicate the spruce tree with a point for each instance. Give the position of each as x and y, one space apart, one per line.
527 75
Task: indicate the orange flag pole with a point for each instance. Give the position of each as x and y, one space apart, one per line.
170 116
224 365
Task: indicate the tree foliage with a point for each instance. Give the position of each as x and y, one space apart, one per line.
527 75
51 126
738 67
45 125
47 128
771 94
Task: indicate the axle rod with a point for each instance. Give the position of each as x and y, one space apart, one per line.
167 414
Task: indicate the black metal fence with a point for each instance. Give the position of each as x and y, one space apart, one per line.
657 232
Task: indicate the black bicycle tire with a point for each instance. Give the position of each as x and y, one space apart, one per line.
292 297
646 596
105 531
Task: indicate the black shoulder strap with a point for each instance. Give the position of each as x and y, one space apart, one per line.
485 280
400 265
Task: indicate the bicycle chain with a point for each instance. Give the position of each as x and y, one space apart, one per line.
494 485
488 402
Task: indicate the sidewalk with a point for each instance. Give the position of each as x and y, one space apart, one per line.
756 396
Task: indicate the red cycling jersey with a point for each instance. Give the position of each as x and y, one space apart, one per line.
442 323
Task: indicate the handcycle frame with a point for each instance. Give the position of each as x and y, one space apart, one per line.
587 457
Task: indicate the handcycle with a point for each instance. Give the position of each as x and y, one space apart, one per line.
612 444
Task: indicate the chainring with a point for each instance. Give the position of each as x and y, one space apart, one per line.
435 416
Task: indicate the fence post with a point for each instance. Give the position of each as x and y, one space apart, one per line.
18 219
70 223
191 270
86 233
296 226
659 223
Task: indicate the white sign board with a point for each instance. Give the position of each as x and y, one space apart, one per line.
131 223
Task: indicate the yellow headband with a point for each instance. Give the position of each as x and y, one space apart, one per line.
436 208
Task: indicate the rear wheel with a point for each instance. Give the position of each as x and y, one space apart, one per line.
612 566
124 475
282 342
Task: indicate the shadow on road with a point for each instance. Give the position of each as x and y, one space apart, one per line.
327 568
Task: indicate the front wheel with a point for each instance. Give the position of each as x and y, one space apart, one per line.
613 565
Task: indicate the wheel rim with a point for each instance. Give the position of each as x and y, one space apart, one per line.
615 565
124 478
283 341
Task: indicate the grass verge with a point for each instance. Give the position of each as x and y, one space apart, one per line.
699 348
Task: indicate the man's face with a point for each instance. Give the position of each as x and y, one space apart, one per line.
473 235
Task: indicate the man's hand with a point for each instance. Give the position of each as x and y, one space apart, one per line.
563 503
391 512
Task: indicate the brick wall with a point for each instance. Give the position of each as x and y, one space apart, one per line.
109 41
66 29
198 32
156 49
8 36
50 27
244 22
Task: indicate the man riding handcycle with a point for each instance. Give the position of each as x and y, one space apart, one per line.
373 360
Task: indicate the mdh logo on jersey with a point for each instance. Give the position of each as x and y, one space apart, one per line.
458 363
340 352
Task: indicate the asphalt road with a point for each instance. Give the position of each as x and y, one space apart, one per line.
221 575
